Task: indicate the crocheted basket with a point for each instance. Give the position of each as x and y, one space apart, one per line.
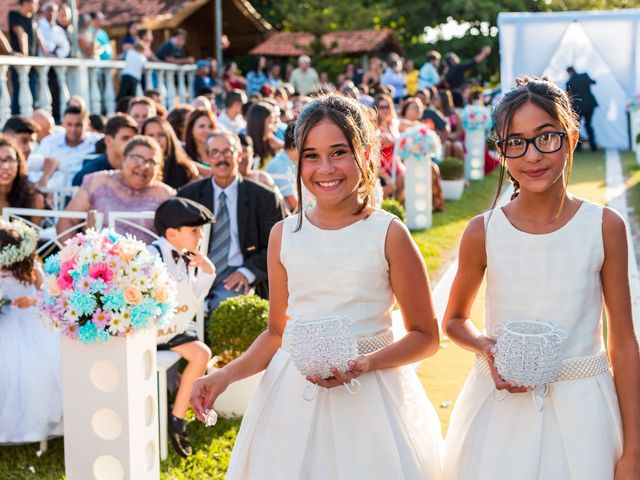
528 353
317 345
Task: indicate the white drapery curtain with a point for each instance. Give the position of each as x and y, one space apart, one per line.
603 44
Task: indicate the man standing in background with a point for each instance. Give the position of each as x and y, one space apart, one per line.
584 103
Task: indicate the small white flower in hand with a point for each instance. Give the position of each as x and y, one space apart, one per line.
210 418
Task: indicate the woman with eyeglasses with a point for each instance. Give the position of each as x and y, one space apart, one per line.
547 398
136 187
15 188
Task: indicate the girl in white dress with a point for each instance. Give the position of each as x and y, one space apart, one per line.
341 257
30 389
549 257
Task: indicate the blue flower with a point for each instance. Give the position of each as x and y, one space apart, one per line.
103 336
85 269
98 286
83 303
52 265
114 237
139 317
88 333
114 301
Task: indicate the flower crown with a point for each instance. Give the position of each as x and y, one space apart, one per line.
11 254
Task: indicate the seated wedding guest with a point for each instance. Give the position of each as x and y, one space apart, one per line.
178 169
97 123
200 124
23 132
135 187
388 131
245 213
443 102
282 168
177 118
15 188
69 148
31 393
202 102
245 164
231 116
203 77
179 223
261 127
78 101
141 108
118 131
46 123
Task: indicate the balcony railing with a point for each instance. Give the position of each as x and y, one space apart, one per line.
93 80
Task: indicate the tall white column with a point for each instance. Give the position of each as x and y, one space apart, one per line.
182 94
25 99
162 88
171 89
5 99
95 104
109 92
44 95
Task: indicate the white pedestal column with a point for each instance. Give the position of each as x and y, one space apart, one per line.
110 408
474 142
417 193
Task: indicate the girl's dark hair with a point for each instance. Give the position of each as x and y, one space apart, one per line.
178 117
544 94
359 129
256 117
24 270
22 193
175 156
446 102
190 145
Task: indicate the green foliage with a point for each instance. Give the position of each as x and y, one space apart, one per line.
638 138
452 168
393 206
235 324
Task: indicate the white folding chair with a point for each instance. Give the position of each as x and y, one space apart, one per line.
60 196
165 358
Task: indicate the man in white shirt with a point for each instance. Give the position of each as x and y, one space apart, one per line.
245 212
69 148
231 116
54 38
304 78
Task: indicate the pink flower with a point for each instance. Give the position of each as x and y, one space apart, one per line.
64 279
71 330
101 319
101 270
69 252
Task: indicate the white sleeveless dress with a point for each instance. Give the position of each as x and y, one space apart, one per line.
389 430
575 433
30 383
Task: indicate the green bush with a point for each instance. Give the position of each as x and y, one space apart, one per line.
235 324
638 138
451 168
391 205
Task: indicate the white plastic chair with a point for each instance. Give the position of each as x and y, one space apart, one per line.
165 358
60 196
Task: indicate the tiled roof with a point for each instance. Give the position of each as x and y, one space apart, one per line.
291 44
120 12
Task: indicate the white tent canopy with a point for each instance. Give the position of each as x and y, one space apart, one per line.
604 44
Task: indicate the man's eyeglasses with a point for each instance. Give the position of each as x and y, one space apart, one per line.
141 161
215 153
548 142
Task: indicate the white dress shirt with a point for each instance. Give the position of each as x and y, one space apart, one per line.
54 38
70 158
236 259
232 124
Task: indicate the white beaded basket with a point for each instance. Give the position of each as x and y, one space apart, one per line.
528 353
319 344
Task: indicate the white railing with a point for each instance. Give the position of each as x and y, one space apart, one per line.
91 79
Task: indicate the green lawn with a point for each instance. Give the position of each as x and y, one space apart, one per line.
632 174
442 375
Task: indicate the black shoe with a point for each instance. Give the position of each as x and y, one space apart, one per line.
178 436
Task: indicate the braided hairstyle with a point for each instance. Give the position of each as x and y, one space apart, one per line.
358 127
544 94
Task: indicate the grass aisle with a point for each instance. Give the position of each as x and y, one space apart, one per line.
444 374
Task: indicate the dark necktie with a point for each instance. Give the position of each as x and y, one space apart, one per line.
221 244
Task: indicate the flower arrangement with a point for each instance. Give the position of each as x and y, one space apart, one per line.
11 254
476 117
634 104
419 143
103 284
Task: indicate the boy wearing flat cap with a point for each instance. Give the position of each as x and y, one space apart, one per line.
179 222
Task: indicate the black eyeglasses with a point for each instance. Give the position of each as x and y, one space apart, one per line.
215 153
548 142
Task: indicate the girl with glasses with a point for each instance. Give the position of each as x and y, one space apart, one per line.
552 261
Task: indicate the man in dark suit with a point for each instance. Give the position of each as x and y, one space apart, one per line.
245 212
584 103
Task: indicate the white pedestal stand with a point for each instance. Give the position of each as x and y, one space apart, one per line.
110 408
474 142
417 192
635 131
